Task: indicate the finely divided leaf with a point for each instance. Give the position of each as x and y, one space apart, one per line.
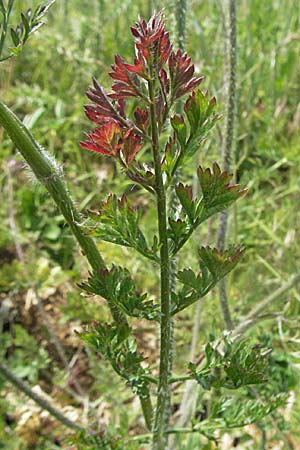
191 130
117 286
214 265
238 363
177 122
218 194
189 278
194 287
233 412
185 195
116 345
117 222
220 263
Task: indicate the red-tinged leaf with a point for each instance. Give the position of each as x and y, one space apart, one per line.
112 140
96 114
110 131
152 39
105 140
137 67
127 83
142 174
142 118
190 86
181 73
131 144
121 95
94 147
143 53
102 110
146 33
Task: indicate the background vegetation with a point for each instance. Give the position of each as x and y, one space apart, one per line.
40 305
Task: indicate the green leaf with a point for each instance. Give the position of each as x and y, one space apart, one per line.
29 24
238 363
214 265
194 287
106 338
220 263
170 157
189 278
217 193
177 122
114 342
117 286
177 229
199 110
234 412
185 195
117 222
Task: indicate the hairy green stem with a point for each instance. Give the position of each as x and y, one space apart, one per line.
227 150
51 177
174 203
159 441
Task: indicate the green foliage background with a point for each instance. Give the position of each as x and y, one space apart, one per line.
46 86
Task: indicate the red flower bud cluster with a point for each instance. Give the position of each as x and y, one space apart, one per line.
117 136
